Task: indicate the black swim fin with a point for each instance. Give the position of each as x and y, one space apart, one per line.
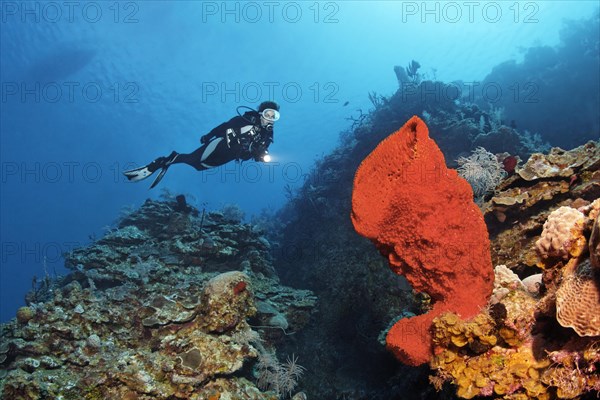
159 176
138 174
141 173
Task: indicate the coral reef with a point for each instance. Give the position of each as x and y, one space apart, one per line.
421 216
541 342
517 211
168 305
359 298
518 346
318 248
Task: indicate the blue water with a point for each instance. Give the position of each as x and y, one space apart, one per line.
90 89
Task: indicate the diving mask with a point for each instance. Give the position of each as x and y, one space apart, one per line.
270 115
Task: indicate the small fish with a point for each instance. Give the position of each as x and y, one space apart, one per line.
346 103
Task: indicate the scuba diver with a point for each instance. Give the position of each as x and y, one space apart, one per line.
242 138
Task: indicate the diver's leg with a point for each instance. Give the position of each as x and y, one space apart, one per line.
213 154
192 159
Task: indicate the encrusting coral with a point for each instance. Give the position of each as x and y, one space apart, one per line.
422 217
498 354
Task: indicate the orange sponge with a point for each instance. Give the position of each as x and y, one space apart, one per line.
422 217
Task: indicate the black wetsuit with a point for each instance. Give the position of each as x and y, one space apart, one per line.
240 138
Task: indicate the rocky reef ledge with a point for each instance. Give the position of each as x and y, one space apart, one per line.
174 303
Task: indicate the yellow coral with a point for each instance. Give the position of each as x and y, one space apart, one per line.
500 388
481 382
507 367
467 390
458 368
519 369
450 329
446 357
488 339
469 373
459 341
450 319
533 373
509 336
534 387
504 370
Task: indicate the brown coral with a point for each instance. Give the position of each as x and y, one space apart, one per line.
24 314
578 302
539 166
224 308
560 163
